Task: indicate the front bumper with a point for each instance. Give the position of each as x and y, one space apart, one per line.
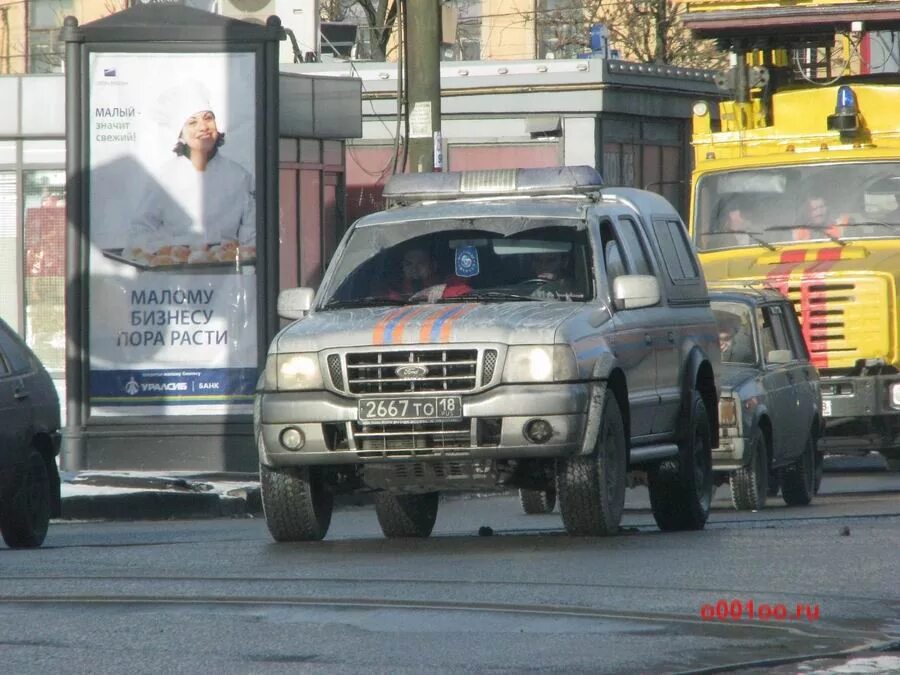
859 415
491 428
730 455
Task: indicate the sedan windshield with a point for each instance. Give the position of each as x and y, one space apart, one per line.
767 207
478 260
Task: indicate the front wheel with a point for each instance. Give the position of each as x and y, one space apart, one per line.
406 515
798 481
296 503
749 484
681 490
537 501
592 488
25 503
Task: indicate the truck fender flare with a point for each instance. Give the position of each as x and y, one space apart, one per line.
603 367
699 376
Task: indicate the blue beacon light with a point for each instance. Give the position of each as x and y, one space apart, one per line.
846 113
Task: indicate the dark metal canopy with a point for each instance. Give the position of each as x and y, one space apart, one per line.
792 22
158 22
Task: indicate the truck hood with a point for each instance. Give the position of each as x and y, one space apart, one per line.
796 261
505 323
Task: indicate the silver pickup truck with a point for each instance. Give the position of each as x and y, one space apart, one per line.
514 328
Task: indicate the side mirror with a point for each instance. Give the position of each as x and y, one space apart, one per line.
779 356
294 303
633 291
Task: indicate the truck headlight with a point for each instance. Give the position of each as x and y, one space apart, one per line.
728 412
895 395
540 363
289 372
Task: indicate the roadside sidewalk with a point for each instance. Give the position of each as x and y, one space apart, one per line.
160 495
157 495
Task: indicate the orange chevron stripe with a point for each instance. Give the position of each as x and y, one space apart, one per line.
425 332
396 334
378 334
448 325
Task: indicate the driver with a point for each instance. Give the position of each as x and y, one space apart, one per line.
734 341
551 268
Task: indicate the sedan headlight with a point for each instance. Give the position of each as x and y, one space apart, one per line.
540 363
290 372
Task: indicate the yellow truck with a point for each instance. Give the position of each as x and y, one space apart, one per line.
796 186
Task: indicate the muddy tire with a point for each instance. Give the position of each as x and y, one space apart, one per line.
405 516
798 481
819 473
296 503
681 490
537 501
592 487
25 502
750 484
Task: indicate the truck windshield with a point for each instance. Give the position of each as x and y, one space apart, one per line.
771 206
487 260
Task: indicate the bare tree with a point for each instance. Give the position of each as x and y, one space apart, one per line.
643 30
379 17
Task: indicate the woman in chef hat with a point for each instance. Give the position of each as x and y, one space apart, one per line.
201 205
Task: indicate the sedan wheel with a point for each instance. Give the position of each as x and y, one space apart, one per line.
798 481
749 484
25 504
537 501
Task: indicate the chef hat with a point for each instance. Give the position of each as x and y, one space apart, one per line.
176 104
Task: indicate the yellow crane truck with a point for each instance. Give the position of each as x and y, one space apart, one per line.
796 186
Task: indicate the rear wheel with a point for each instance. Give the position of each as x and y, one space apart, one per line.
406 515
296 503
592 488
681 490
537 501
25 503
798 481
749 484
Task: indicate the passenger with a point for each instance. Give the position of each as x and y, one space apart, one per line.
734 223
421 281
734 339
815 218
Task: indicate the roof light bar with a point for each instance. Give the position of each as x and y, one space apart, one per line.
413 187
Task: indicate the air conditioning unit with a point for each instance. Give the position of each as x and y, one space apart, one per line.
256 11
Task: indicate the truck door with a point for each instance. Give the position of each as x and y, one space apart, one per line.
635 337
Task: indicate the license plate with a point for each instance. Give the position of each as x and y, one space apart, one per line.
826 408
395 409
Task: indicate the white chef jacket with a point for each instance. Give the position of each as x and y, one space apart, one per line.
187 206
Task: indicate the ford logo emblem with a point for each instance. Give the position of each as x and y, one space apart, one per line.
411 372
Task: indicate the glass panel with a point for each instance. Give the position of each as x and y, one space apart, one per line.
287 207
45 267
310 228
287 150
7 152
652 173
44 152
612 161
9 286
333 153
330 221
309 151
735 332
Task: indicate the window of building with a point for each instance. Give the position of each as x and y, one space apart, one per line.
45 267
561 30
45 18
9 284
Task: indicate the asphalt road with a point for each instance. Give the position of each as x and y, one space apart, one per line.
220 596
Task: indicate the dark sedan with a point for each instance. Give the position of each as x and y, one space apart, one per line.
770 401
29 429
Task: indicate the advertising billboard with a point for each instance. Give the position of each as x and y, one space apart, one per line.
172 156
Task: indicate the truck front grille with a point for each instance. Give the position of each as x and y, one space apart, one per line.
408 371
375 441
843 320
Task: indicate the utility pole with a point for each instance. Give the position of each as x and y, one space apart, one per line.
423 68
